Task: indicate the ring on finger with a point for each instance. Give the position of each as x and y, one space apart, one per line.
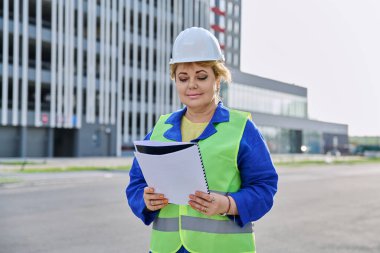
205 210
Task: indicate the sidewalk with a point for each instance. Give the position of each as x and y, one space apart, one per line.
10 164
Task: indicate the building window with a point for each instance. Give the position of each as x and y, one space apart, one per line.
236 27
250 98
236 11
212 18
236 43
229 25
222 5
222 21
221 38
236 60
229 56
229 41
230 8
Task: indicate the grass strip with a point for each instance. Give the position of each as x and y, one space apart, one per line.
326 162
18 163
74 169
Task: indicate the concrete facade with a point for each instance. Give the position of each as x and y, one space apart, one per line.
86 78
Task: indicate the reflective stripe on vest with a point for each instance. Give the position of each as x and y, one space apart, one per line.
200 225
166 224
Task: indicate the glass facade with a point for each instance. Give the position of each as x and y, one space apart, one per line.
313 141
255 99
285 141
277 139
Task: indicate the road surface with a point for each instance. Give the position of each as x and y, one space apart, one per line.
332 209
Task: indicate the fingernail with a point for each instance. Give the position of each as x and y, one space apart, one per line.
166 201
161 196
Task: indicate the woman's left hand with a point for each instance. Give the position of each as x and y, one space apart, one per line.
208 204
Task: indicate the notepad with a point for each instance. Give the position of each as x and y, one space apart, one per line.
174 169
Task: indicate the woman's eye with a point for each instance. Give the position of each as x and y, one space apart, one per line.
183 79
202 77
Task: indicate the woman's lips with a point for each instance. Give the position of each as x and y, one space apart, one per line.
193 96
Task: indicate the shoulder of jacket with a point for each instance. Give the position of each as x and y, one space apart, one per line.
243 114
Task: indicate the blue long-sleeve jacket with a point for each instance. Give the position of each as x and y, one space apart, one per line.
258 175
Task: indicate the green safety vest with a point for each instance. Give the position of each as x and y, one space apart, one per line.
178 225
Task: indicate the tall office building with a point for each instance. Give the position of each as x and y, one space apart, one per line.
88 77
84 78
225 23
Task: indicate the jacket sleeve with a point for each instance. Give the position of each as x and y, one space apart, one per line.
258 177
135 192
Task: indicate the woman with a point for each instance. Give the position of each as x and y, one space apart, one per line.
240 174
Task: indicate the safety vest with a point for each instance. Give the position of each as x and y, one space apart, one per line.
178 225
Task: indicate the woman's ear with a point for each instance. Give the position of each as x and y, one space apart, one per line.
217 82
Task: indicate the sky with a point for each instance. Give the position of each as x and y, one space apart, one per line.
331 47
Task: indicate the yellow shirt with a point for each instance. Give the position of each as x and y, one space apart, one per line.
191 130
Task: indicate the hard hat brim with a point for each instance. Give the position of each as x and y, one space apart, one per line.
195 59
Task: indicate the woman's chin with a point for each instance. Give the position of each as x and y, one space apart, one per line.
198 104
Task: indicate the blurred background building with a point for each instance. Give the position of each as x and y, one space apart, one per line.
87 77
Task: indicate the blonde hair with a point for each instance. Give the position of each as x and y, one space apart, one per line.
220 70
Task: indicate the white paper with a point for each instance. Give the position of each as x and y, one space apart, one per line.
160 143
176 175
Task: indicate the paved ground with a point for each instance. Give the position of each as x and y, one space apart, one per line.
15 164
328 209
70 212
332 209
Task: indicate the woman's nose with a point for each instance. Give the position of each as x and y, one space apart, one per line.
193 83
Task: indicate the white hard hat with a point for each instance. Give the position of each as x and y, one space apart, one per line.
196 44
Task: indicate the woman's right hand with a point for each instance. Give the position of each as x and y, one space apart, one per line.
154 201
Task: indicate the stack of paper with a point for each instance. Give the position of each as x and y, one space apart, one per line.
174 169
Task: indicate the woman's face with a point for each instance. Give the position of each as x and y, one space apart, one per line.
196 86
